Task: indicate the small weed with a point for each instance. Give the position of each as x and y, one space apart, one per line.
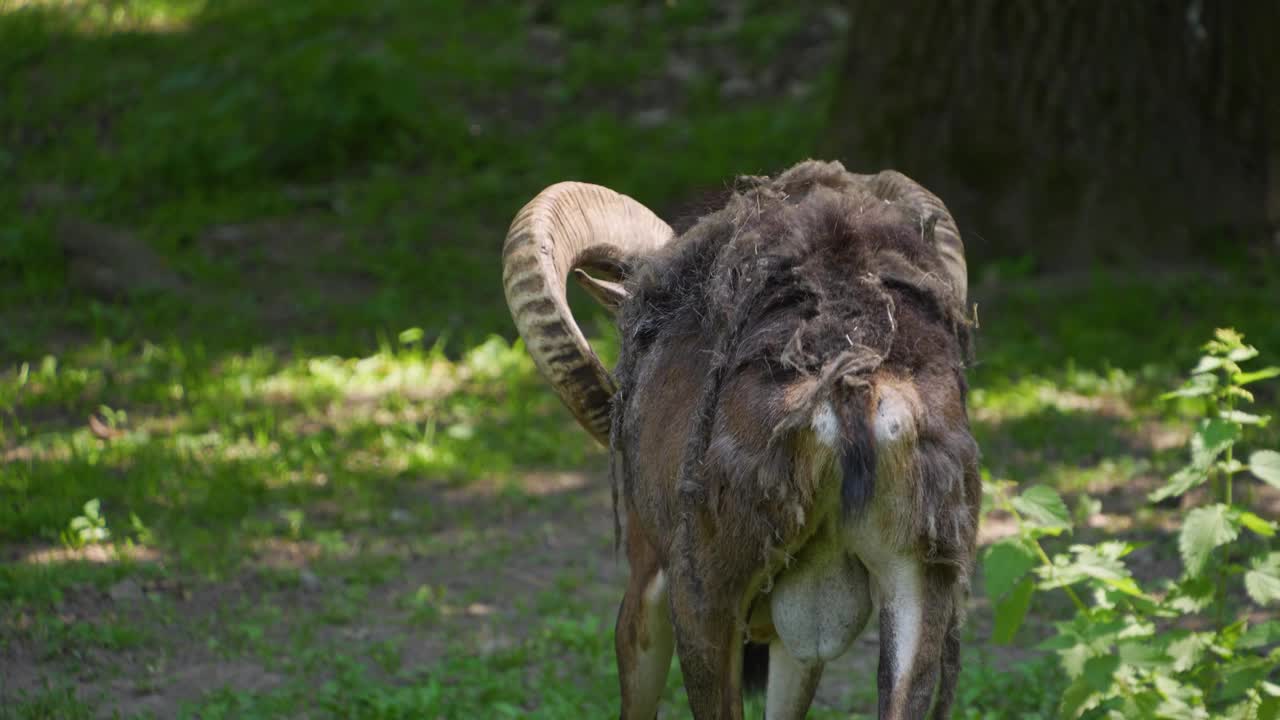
387 654
87 529
425 604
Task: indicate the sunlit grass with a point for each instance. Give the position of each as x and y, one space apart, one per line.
246 433
1065 389
107 16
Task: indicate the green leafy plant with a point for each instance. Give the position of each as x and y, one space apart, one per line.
1183 648
87 529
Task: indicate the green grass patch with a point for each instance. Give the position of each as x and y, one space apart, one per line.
565 669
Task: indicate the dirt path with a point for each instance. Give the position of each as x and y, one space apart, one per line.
480 578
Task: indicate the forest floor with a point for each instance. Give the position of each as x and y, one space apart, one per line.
250 306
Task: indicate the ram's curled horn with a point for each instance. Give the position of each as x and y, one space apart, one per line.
928 210
567 227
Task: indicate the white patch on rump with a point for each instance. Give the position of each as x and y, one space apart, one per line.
894 421
826 426
894 418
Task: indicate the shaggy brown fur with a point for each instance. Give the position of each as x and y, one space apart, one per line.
806 275
803 289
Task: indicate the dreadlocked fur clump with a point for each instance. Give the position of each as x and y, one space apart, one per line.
809 276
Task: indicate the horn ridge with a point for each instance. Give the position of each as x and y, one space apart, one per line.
567 225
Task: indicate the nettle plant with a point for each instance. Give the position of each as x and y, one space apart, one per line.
87 529
1184 647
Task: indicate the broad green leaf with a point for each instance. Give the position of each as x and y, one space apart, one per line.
1228 637
1141 652
1244 378
1211 439
1182 481
1263 581
1246 709
1136 628
1057 642
1241 673
1099 672
1173 708
1076 699
1101 628
1184 701
1241 354
91 508
1100 562
1258 525
1005 563
1010 612
1150 606
1186 652
1195 386
1140 704
1244 418
1205 528
1124 585
1266 465
1074 658
1260 635
1208 363
1043 506
1269 708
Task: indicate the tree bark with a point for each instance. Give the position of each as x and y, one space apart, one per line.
1073 131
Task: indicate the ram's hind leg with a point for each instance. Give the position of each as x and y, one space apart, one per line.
950 668
917 642
643 637
792 684
709 640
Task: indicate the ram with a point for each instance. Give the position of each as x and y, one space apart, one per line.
790 446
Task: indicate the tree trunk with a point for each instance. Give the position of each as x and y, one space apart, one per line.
1073 131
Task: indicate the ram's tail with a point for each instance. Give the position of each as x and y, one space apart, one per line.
755 667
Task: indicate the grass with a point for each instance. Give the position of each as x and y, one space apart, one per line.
564 668
333 484
371 120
